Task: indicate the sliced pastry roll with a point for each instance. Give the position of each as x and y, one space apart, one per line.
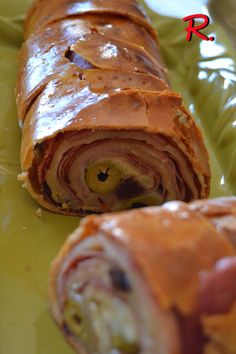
102 130
158 280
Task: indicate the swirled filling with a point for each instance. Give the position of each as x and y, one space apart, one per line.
109 171
98 310
105 306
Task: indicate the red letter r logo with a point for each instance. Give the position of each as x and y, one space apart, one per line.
192 29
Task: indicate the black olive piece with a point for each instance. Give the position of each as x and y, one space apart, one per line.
66 329
103 176
129 189
120 280
138 205
47 191
77 319
78 60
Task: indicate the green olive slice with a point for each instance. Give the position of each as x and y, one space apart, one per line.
78 323
113 322
125 347
74 319
103 177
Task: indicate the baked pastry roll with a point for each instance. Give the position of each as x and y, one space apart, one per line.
153 280
102 130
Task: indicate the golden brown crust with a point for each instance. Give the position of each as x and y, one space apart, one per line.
44 12
220 328
222 213
174 244
41 61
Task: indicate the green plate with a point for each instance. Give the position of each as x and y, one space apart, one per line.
203 71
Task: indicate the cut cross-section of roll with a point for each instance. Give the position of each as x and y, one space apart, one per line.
94 168
155 280
102 130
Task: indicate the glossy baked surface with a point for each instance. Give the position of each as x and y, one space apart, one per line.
205 74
